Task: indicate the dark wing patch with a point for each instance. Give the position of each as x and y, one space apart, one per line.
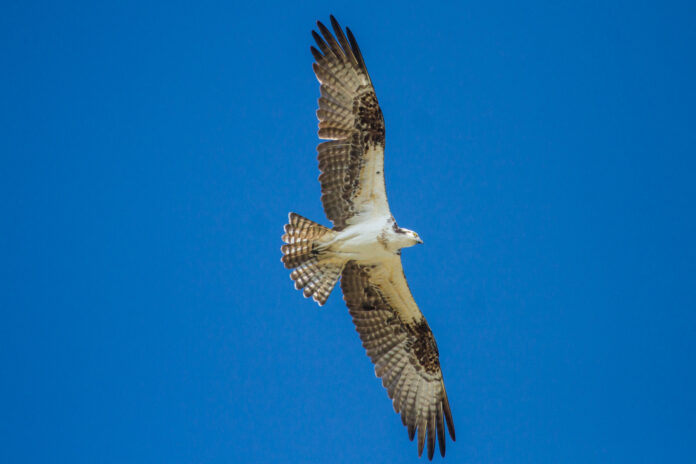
404 353
350 116
424 346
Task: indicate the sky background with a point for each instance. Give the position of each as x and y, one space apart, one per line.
150 153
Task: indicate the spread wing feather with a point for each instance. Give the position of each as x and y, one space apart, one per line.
352 162
399 342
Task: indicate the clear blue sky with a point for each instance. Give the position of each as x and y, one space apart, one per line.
150 154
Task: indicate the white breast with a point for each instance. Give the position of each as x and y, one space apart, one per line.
364 241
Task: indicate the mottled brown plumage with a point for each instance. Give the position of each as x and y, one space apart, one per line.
364 246
316 276
404 353
349 116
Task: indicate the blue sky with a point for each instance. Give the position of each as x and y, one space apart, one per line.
150 154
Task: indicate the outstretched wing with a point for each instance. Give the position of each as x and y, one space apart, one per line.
399 342
352 162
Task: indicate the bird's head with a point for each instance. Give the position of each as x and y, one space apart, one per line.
410 237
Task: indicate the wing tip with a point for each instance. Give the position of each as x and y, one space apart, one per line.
315 53
421 439
357 53
448 414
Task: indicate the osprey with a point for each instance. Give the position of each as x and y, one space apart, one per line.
364 246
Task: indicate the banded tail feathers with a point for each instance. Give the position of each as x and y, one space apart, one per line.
316 270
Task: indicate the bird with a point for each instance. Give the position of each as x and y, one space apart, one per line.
363 248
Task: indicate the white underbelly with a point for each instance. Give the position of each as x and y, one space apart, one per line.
361 242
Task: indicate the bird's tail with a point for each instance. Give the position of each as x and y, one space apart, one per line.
316 270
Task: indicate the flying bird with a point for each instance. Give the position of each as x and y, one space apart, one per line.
364 246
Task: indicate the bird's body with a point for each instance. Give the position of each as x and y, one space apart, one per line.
364 246
372 240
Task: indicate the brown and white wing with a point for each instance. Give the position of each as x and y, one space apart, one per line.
399 342
352 162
